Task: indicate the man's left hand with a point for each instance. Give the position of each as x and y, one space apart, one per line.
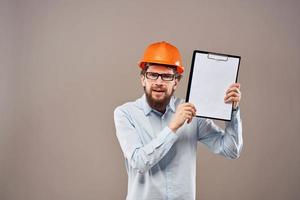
233 95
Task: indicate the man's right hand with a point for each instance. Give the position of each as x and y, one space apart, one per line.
184 111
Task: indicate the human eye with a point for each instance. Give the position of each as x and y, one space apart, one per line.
168 77
152 75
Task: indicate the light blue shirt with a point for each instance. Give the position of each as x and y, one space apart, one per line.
161 164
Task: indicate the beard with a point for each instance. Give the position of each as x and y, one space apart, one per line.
158 104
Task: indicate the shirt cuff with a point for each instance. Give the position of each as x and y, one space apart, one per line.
164 136
235 117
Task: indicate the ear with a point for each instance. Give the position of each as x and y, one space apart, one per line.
176 83
143 81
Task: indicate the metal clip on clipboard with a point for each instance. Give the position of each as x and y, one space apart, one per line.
217 57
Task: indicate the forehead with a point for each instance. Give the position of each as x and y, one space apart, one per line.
160 69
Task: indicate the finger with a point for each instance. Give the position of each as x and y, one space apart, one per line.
188 121
185 105
238 85
235 85
189 118
233 89
189 105
232 94
186 111
232 99
190 110
188 115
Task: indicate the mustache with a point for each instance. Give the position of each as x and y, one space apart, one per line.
158 88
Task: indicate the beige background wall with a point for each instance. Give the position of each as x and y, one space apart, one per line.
65 65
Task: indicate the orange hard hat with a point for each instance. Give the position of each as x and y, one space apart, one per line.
162 53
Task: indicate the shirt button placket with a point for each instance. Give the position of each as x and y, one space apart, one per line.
168 173
166 176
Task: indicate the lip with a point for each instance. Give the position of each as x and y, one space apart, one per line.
158 90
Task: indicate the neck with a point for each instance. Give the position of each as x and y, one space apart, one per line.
161 109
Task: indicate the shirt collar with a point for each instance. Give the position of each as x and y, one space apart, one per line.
147 109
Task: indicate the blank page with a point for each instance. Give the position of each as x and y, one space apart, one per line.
211 75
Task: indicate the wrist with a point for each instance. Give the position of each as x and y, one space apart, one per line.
173 128
235 109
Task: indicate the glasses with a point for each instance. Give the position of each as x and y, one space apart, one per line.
154 76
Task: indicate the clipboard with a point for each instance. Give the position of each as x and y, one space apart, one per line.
210 76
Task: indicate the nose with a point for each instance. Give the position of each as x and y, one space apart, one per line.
159 81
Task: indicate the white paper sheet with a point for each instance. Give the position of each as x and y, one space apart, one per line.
211 77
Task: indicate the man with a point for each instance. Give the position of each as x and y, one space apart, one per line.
158 132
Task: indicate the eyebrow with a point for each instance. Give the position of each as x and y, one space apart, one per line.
162 73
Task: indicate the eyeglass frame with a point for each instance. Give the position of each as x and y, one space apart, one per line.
177 75
174 76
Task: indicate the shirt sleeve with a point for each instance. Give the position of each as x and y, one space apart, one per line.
141 156
228 142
